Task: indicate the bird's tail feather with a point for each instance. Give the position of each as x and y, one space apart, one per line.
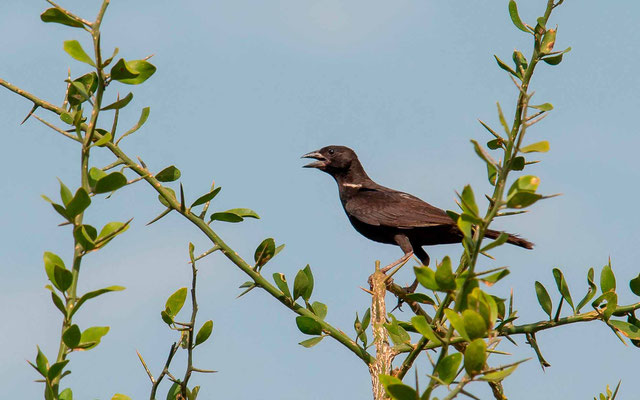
513 239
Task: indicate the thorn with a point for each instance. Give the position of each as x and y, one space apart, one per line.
142 163
367 290
182 205
35 107
165 212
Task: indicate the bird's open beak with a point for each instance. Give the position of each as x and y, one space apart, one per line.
321 163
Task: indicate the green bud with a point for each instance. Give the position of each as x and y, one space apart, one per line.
520 61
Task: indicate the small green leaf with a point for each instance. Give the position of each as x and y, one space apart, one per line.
401 392
483 154
492 174
506 67
143 118
281 283
490 280
457 322
71 336
444 275
110 183
174 392
522 199
112 229
42 362
468 201
544 299
308 325
634 284
63 278
475 357
56 369
422 326
526 183
163 201
447 368
118 104
204 332
612 303
106 138
556 59
121 70
420 298
75 50
590 293
307 294
206 197
563 287
607 279
627 329
543 107
176 301
50 262
57 301
311 342
497 376
474 324
426 277
65 193
86 236
142 70
539 147
66 394
120 396
515 17
226 217
168 319
95 174
95 293
78 203
518 163
168 174
319 309
300 285
244 213
264 252
91 337
57 16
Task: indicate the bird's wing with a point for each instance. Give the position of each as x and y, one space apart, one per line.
386 207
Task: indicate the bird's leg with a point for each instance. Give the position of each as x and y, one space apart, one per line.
421 254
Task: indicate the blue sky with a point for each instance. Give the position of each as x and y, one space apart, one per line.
244 88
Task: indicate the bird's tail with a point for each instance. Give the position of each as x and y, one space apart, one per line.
513 239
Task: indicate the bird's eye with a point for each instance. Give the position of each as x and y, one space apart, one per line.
331 151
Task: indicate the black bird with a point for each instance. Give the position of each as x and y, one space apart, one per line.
385 215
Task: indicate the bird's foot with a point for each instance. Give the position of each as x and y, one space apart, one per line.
408 289
400 262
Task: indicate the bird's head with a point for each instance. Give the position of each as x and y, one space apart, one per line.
332 159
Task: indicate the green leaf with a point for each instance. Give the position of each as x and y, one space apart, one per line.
142 70
56 369
506 67
499 241
612 303
420 298
308 325
110 183
468 201
634 284
482 153
264 252
121 70
311 342
174 392
75 50
163 201
492 174
42 362
143 118
63 278
50 262
176 301
118 104
300 285
66 394
319 309
65 193
206 197
281 282
86 236
629 330
422 326
168 174
106 138
57 301
426 277
522 199
95 174
226 217
475 357
204 332
120 396
401 392
95 293
457 322
556 59
444 275
168 319
518 163
78 203
447 368
607 279
307 294
544 299
497 376
563 287
539 147
474 324
526 183
91 337
244 213
590 293
112 229
543 107
515 17
71 336
57 16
